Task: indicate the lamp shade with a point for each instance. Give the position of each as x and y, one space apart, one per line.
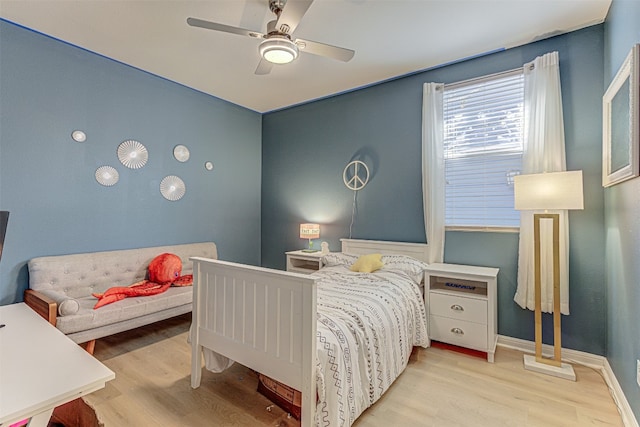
309 231
550 190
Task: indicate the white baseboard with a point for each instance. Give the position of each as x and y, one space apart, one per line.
628 418
580 357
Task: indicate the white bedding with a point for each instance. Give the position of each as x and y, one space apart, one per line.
367 327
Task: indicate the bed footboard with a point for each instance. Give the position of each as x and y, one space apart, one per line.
261 318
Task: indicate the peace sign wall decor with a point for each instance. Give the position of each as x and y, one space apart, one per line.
355 175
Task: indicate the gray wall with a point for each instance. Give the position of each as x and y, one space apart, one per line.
305 149
622 209
48 89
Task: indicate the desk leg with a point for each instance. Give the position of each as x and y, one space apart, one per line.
41 419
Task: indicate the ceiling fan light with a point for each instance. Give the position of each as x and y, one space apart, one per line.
278 50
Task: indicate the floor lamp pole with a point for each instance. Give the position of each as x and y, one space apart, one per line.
552 366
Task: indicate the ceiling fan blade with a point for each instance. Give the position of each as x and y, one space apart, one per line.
195 22
291 15
264 67
323 49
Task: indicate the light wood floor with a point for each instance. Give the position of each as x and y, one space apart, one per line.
439 388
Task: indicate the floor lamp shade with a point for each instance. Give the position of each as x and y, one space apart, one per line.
548 191
551 190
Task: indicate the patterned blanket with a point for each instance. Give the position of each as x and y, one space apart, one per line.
367 327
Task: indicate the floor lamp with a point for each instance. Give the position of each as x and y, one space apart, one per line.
548 191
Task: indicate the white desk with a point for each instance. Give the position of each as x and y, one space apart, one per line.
40 368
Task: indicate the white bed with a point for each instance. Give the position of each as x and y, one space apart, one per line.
272 321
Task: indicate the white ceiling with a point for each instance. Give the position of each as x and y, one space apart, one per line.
391 38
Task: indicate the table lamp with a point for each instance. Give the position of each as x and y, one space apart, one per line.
310 231
548 191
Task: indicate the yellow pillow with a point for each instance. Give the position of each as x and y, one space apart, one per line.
367 263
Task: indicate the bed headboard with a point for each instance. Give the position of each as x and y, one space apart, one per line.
418 251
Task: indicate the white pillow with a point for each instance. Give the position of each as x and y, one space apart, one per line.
409 265
338 258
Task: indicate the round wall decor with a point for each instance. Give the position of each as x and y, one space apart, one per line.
181 153
79 136
132 154
172 188
107 176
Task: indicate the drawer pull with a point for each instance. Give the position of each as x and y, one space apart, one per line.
456 307
457 331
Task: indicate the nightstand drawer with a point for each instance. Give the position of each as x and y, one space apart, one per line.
458 307
458 332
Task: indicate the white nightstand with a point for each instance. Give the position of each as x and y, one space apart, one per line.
461 303
304 262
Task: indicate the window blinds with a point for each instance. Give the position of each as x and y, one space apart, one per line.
483 144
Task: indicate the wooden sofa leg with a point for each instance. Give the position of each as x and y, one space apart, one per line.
89 346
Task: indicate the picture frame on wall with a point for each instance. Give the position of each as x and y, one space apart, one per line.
620 115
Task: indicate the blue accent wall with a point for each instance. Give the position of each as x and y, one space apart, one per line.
47 90
622 225
274 171
305 149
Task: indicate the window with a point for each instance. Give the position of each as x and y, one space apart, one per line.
483 145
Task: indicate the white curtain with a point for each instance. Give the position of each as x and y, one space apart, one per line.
433 169
544 151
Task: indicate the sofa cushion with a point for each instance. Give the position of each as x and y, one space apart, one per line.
129 308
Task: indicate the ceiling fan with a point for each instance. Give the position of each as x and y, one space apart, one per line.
277 46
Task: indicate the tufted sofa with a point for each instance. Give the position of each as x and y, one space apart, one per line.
60 289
